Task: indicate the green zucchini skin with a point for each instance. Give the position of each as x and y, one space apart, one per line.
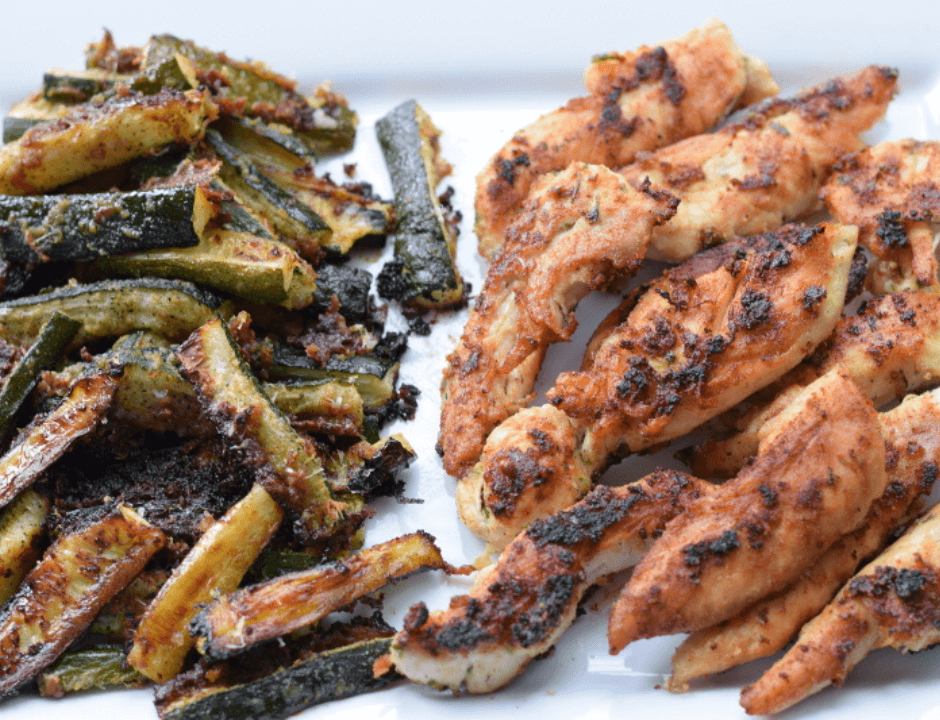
331 675
28 114
171 308
55 228
350 286
92 669
77 86
60 597
53 339
424 244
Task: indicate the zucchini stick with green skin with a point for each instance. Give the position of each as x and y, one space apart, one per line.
297 224
60 597
172 308
290 602
260 434
425 243
330 675
322 121
54 337
216 564
21 527
94 137
45 228
92 669
47 438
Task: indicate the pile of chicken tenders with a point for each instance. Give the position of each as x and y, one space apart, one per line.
802 519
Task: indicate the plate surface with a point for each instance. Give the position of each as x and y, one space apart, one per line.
482 71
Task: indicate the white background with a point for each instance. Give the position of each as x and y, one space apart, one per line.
483 70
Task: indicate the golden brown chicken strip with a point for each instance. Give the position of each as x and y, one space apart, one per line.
912 431
518 608
699 339
893 602
580 229
891 347
815 477
640 100
892 192
766 168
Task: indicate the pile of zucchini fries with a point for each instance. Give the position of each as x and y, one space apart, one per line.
194 383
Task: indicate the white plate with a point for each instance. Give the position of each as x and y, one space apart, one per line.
482 70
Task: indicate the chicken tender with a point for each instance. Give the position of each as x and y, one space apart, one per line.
766 168
518 608
893 602
912 432
580 229
892 192
640 100
891 347
814 479
698 340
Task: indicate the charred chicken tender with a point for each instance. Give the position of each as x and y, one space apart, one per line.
579 230
764 169
814 479
894 601
912 433
639 100
892 192
700 339
889 348
519 607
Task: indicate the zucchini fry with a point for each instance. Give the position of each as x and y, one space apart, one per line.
256 430
21 527
424 273
92 669
60 597
47 438
290 602
216 564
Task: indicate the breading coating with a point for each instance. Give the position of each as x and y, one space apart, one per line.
892 192
912 431
579 230
518 608
639 100
817 473
764 169
894 601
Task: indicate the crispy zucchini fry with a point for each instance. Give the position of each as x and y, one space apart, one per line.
216 564
61 596
90 138
290 602
21 528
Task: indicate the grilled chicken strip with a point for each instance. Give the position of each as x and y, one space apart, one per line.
518 608
815 477
700 339
766 168
640 100
912 433
893 602
891 347
892 192
580 229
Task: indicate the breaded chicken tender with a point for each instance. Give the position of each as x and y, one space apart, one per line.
579 230
912 433
893 602
892 192
764 169
814 479
639 100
